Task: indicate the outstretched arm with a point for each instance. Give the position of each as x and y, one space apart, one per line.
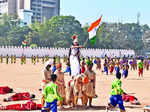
77 47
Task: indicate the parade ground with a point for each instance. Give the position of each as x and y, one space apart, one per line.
27 78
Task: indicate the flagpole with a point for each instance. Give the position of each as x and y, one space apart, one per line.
85 42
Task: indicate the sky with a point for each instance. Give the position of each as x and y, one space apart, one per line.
125 11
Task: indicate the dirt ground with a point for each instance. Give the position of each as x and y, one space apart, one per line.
27 77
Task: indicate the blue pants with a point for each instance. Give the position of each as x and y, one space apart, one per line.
68 69
125 73
117 99
117 70
52 106
105 70
53 69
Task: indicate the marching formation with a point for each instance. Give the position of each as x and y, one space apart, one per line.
51 52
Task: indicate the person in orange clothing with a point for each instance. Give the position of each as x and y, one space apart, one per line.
20 96
30 105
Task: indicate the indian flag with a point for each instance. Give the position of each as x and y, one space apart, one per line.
93 29
24 43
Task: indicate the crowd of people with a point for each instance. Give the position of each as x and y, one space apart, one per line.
57 92
51 52
83 80
82 85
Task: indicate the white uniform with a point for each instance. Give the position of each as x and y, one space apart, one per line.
74 62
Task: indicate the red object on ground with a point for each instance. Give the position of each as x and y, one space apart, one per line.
128 98
125 97
5 90
30 105
132 98
21 96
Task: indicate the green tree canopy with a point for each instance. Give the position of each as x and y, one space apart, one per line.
58 31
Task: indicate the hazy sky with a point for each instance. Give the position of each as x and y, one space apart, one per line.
87 11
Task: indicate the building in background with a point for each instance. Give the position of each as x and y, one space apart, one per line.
25 17
20 4
36 9
50 8
42 8
35 6
8 7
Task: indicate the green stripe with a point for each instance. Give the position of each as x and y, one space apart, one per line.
93 40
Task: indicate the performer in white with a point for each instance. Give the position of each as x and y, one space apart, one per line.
74 55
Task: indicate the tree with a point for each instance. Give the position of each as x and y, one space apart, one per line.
58 31
17 35
62 28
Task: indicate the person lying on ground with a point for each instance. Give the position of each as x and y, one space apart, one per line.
30 105
19 96
129 98
5 90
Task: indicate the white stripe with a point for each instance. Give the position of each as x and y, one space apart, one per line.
92 33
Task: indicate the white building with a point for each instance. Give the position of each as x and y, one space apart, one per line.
8 7
25 16
40 9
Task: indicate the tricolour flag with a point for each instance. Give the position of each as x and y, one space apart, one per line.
24 43
93 29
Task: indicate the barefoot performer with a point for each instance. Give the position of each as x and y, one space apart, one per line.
90 88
